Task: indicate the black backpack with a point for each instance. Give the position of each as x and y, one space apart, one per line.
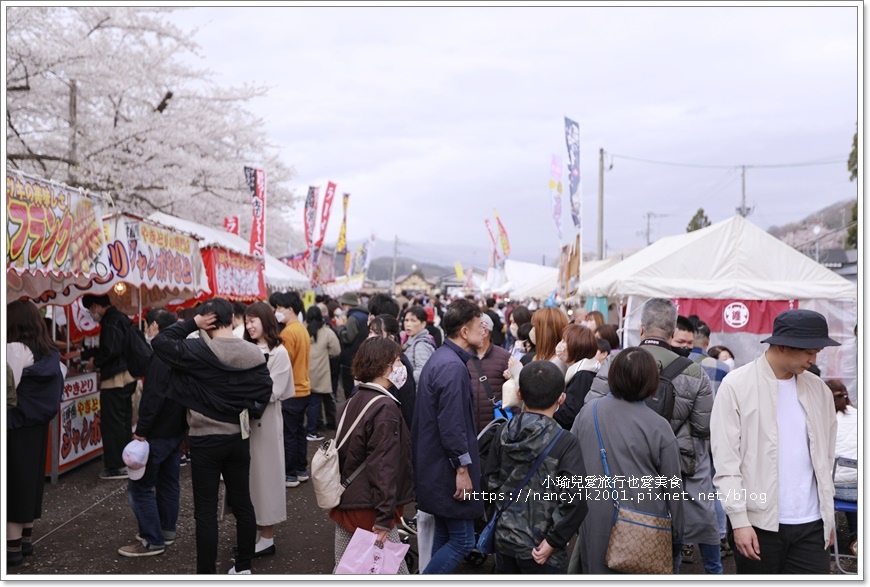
137 352
662 401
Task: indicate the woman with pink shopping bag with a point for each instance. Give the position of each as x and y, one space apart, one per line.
375 463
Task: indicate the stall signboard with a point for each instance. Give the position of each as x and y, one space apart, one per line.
234 276
730 315
146 254
55 245
76 436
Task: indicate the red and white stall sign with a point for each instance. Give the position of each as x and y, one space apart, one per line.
76 434
755 316
234 276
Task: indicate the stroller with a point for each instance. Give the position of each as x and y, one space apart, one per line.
484 442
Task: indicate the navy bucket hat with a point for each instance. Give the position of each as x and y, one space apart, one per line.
801 329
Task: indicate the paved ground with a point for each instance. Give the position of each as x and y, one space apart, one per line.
85 520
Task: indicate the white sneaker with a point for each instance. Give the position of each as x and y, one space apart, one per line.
233 571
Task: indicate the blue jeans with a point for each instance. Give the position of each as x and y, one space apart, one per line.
314 401
157 513
295 443
711 556
453 540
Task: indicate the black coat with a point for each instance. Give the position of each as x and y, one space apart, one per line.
159 416
575 396
39 393
201 382
109 357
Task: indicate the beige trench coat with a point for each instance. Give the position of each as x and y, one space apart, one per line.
267 444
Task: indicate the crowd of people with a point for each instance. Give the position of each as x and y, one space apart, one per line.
445 413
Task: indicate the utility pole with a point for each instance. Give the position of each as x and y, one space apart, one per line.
600 204
743 210
395 256
648 233
72 134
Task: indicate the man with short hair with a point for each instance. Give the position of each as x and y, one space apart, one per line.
683 338
487 369
716 370
117 386
162 423
223 381
774 432
382 303
498 326
288 305
693 401
444 440
351 336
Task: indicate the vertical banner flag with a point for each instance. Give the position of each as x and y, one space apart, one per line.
348 262
324 215
556 193
231 224
256 180
310 217
370 245
341 247
460 274
503 236
492 237
572 139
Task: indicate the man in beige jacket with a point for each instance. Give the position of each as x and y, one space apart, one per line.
774 432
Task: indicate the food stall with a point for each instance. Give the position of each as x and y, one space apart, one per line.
56 252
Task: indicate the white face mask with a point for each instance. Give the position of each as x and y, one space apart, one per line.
729 362
94 316
279 316
561 350
514 328
398 376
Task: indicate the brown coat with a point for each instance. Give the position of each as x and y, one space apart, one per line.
494 364
388 478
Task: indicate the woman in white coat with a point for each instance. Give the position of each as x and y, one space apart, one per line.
267 434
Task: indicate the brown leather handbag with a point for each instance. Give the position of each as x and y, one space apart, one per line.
640 543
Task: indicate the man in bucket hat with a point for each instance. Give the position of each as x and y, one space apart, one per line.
774 430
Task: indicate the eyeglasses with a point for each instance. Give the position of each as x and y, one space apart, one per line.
839 395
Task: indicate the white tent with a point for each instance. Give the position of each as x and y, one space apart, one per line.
277 275
735 260
530 280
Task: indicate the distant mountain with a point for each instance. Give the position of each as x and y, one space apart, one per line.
830 221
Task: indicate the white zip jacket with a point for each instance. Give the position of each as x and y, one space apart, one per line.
744 437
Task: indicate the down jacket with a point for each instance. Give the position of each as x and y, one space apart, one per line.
383 438
494 363
692 405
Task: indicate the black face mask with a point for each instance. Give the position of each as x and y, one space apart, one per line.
682 351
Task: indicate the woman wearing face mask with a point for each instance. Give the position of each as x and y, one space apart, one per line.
577 349
380 443
267 434
519 316
387 326
721 353
419 346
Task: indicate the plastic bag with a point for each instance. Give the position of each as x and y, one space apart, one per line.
363 557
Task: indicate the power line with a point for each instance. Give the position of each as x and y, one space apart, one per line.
704 166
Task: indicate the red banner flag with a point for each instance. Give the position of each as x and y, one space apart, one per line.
492 237
256 180
231 224
502 235
324 214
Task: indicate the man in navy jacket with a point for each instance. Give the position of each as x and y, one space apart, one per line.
444 440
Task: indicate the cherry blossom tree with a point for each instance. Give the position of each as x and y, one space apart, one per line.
101 98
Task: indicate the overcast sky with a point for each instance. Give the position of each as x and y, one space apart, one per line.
432 117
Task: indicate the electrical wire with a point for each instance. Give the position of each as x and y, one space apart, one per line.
827 161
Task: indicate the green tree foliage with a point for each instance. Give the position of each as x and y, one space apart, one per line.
852 236
853 159
698 221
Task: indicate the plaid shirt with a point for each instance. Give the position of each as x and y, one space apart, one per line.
716 370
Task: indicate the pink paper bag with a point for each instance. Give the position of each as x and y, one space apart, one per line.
364 557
